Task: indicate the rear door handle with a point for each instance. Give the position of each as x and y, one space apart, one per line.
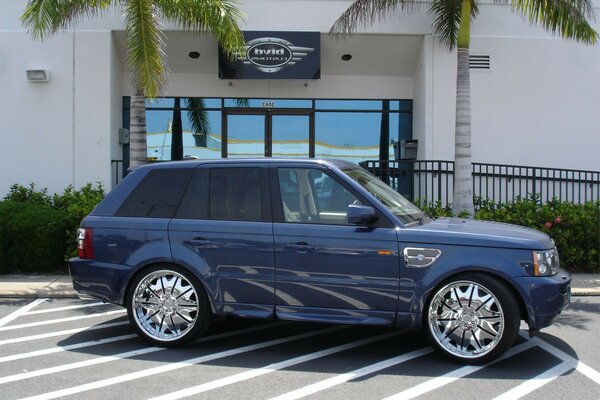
200 241
300 247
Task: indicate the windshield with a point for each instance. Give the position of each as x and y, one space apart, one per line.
406 211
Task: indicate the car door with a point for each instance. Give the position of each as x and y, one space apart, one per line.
223 230
327 269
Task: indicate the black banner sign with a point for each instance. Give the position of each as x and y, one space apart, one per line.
275 55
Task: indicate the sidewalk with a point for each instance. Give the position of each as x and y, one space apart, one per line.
60 286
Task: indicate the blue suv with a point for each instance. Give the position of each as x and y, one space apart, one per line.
310 240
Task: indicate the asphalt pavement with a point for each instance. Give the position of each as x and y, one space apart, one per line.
60 286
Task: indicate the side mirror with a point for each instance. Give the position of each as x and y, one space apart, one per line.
361 215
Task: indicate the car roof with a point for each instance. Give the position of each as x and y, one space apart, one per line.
342 164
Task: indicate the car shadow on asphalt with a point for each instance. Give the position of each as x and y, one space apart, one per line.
524 365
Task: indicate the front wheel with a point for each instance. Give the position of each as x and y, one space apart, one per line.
472 318
167 305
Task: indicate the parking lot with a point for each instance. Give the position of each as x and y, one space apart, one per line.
74 349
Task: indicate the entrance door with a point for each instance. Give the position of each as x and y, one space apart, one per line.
268 133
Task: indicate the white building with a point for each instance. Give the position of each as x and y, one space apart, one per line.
537 104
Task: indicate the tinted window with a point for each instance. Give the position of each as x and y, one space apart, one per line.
235 194
157 195
312 196
194 204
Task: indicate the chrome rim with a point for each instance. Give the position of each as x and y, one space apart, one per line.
466 319
165 305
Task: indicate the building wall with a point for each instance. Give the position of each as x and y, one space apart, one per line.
539 104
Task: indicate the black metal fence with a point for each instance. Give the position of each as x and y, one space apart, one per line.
433 181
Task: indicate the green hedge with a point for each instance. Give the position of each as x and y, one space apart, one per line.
72 204
32 238
575 228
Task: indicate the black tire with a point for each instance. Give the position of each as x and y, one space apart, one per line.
167 305
472 318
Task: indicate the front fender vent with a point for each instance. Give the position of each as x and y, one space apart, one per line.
420 257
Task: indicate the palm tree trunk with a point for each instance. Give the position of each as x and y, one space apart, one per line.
138 153
177 132
463 178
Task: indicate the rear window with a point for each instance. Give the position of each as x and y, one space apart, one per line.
157 195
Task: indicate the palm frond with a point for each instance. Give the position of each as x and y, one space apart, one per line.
569 18
446 20
217 16
43 17
145 45
363 13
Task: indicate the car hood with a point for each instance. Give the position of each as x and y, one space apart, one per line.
466 232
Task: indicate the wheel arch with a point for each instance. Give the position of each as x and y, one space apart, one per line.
444 279
140 270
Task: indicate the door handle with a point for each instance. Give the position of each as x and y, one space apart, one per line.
300 247
200 241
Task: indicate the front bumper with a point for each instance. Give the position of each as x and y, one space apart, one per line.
544 297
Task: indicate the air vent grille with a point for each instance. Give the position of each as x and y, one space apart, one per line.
479 62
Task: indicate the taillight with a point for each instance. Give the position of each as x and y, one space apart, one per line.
85 247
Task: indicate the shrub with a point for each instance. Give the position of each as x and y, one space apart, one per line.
32 237
74 204
575 228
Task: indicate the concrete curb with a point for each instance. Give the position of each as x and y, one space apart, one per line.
579 292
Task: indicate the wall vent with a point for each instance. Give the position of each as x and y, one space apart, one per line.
479 62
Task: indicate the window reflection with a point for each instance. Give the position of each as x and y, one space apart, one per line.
352 130
201 133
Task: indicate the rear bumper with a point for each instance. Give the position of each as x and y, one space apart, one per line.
544 297
103 281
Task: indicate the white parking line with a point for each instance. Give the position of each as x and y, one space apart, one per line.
578 365
174 366
79 364
535 383
61 333
53 350
357 373
453 375
49 310
59 320
105 359
205 387
74 346
20 311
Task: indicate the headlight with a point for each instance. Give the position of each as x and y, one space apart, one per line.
545 263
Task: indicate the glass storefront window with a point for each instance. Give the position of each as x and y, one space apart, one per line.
351 136
268 103
201 131
186 102
342 129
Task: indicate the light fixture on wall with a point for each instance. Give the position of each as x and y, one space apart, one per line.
193 54
38 75
346 57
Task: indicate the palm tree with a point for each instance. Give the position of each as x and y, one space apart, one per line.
452 25
145 40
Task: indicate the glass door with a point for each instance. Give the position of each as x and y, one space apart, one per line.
290 135
268 133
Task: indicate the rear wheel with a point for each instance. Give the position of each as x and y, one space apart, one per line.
167 305
472 318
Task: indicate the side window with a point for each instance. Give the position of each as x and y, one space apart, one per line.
235 194
194 204
312 196
157 195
